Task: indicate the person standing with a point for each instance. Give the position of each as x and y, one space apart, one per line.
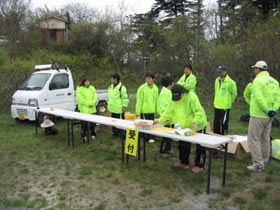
188 80
147 101
87 97
225 95
165 98
189 113
248 89
265 101
117 100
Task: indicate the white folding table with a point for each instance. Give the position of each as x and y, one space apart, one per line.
210 142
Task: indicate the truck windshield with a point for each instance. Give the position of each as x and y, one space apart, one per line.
35 82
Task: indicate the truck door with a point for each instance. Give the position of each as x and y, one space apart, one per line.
61 92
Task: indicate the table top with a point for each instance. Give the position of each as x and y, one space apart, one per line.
206 140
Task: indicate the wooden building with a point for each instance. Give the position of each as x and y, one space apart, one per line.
54 30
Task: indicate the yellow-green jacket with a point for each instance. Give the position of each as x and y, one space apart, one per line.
85 97
187 111
265 95
146 99
225 93
247 92
117 98
188 82
164 100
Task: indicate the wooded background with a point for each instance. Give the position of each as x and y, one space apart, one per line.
236 33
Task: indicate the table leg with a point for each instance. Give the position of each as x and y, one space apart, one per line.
225 165
68 132
209 171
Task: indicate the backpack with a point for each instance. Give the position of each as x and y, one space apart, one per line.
275 122
244 118
50 131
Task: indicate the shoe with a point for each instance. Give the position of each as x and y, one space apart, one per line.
256 168
181 165
151 141
84 139
170 152
197 169
92 137
115 135
164 155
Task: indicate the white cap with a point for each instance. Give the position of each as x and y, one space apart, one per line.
260 65
47 123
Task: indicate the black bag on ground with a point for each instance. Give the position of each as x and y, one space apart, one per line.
244 118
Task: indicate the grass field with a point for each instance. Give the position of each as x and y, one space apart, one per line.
42 172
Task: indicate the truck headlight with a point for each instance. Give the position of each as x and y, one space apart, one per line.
33 102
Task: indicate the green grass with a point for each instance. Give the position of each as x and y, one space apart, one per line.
42 172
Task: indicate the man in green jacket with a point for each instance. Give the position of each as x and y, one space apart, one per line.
147 101
188 80
248 89
165 98
225 95
189 113
265 101
117 100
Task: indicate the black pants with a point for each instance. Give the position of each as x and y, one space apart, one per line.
165 145
147 117
221 118
117 132
84 128
185 150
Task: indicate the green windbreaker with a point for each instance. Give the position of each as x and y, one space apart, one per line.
86 96
247 92
188 83
146 99
165 98
187 111
265 95
117 98
225 93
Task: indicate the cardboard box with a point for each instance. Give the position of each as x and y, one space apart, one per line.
238 148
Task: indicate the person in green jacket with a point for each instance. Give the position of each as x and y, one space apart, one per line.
248 89
165 98
147 101
189 113
117 100
188 80
265 101
86 97
225 95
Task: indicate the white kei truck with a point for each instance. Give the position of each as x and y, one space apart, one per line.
50 85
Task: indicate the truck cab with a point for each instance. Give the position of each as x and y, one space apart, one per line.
50 85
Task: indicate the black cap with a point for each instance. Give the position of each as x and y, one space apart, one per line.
222 68
177 91
116 76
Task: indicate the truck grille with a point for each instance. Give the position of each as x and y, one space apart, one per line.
22 111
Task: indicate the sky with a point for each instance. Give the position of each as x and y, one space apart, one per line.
134 6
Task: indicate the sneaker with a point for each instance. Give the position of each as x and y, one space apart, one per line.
256 168
151 141
164 154
197 169
182 165
92 137
85 138
170 152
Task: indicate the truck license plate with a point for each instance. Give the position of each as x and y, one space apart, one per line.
21 116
